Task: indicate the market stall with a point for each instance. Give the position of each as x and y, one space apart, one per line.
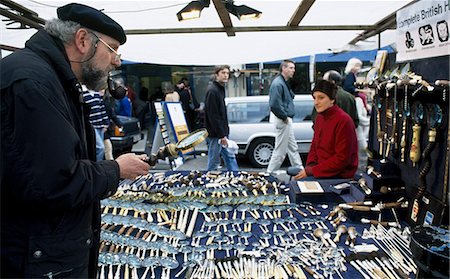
242 225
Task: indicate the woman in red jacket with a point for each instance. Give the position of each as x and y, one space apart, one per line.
334 148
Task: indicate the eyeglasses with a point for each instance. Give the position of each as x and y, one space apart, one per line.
117 57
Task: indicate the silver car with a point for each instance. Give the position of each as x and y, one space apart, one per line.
255 135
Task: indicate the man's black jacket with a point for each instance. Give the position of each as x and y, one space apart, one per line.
50 189
216 119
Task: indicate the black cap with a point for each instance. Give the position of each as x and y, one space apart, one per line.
93 19
326 87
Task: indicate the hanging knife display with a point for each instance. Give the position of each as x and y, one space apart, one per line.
390 120
405 104
379 130
443 85
402 83
418 118
410 80
405 115
379 106
435 119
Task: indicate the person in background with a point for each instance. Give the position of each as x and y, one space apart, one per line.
138 106
363 120
200 118
282 106
51 185
144 94
334 148
362 133
123 106
170 95
98 118
344 100
351 70
114 122
188 102
216 122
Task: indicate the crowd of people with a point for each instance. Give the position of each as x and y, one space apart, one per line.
340 121
57 114
211 114
214 116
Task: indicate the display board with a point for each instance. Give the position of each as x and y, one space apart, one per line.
423 30
162 123
177 122
162 136
380 61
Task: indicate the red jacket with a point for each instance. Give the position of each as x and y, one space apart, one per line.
334 149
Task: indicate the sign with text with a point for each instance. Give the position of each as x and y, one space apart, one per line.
423 30
178 121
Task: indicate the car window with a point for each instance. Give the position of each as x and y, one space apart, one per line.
255 112
303 110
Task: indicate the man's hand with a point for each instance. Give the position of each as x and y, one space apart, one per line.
132 165
223 141
300 175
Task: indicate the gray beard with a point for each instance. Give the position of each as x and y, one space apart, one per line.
93 78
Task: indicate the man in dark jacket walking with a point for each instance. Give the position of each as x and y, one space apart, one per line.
216 121
51 186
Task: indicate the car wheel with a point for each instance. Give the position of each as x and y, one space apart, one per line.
260 152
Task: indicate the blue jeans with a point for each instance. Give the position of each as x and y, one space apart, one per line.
214 152
99 144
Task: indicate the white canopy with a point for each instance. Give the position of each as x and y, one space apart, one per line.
218 48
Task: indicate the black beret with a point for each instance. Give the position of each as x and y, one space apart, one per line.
93 19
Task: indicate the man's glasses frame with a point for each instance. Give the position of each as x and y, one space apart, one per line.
112 50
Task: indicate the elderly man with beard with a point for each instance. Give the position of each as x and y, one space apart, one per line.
51 186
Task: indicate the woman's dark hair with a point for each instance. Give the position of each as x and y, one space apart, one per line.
326 87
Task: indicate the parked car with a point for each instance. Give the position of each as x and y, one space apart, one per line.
126 136
250 128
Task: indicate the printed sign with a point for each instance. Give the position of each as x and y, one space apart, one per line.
178 121
423 30
429 217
